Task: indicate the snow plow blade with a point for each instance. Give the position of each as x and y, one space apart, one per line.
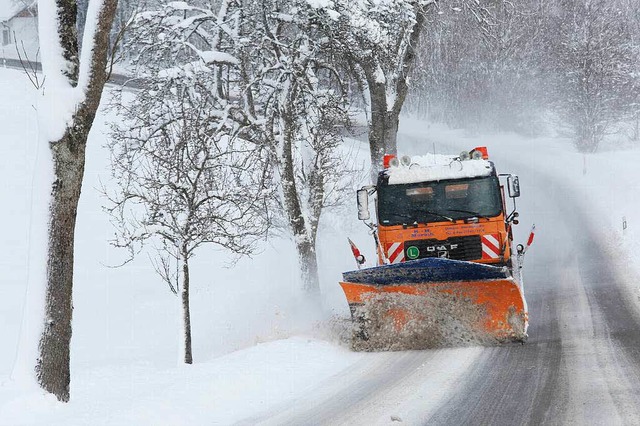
434 302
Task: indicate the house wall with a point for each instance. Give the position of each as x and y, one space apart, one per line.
26 32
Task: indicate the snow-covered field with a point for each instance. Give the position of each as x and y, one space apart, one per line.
256 343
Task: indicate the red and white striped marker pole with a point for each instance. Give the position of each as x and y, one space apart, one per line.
356 254
531 235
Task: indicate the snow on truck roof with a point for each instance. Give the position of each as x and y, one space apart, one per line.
434 167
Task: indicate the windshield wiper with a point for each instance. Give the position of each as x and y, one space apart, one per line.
416 221
476 214
433 214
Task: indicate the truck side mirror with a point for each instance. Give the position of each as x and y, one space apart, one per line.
513 185
363 204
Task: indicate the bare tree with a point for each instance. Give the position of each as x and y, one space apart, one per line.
187 172
185 178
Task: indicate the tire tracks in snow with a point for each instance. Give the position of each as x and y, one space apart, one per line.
614 328
584 341
514 384
395 385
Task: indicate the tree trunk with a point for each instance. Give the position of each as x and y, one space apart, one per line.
383 129
385 118
52 368
308 262
53 364
186 312
298 221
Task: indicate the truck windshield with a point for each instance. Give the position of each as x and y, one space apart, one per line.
426 202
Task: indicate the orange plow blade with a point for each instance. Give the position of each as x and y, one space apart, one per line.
418 315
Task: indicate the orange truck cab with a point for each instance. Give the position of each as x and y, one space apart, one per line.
443 206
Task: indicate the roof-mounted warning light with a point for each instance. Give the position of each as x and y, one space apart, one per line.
480 152
390 160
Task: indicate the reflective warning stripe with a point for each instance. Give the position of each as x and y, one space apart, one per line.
490 246
395 253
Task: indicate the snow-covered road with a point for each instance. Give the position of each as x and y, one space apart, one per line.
398 385
581 364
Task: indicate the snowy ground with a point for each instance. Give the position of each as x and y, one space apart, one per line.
255 342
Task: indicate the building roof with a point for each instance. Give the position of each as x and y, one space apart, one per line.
10 9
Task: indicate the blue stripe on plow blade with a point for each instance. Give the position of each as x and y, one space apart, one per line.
430 269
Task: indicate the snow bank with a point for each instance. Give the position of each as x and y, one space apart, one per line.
24 171
220 391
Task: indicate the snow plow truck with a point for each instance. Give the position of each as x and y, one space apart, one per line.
446 273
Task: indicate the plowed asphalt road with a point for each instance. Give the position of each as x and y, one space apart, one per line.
581 364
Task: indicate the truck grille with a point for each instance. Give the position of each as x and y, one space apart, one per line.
457 248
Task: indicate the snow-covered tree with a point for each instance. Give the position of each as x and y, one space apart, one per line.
71 96
480 65
501 65
269 62
187 172
596 67
376 42
299 96
631 10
